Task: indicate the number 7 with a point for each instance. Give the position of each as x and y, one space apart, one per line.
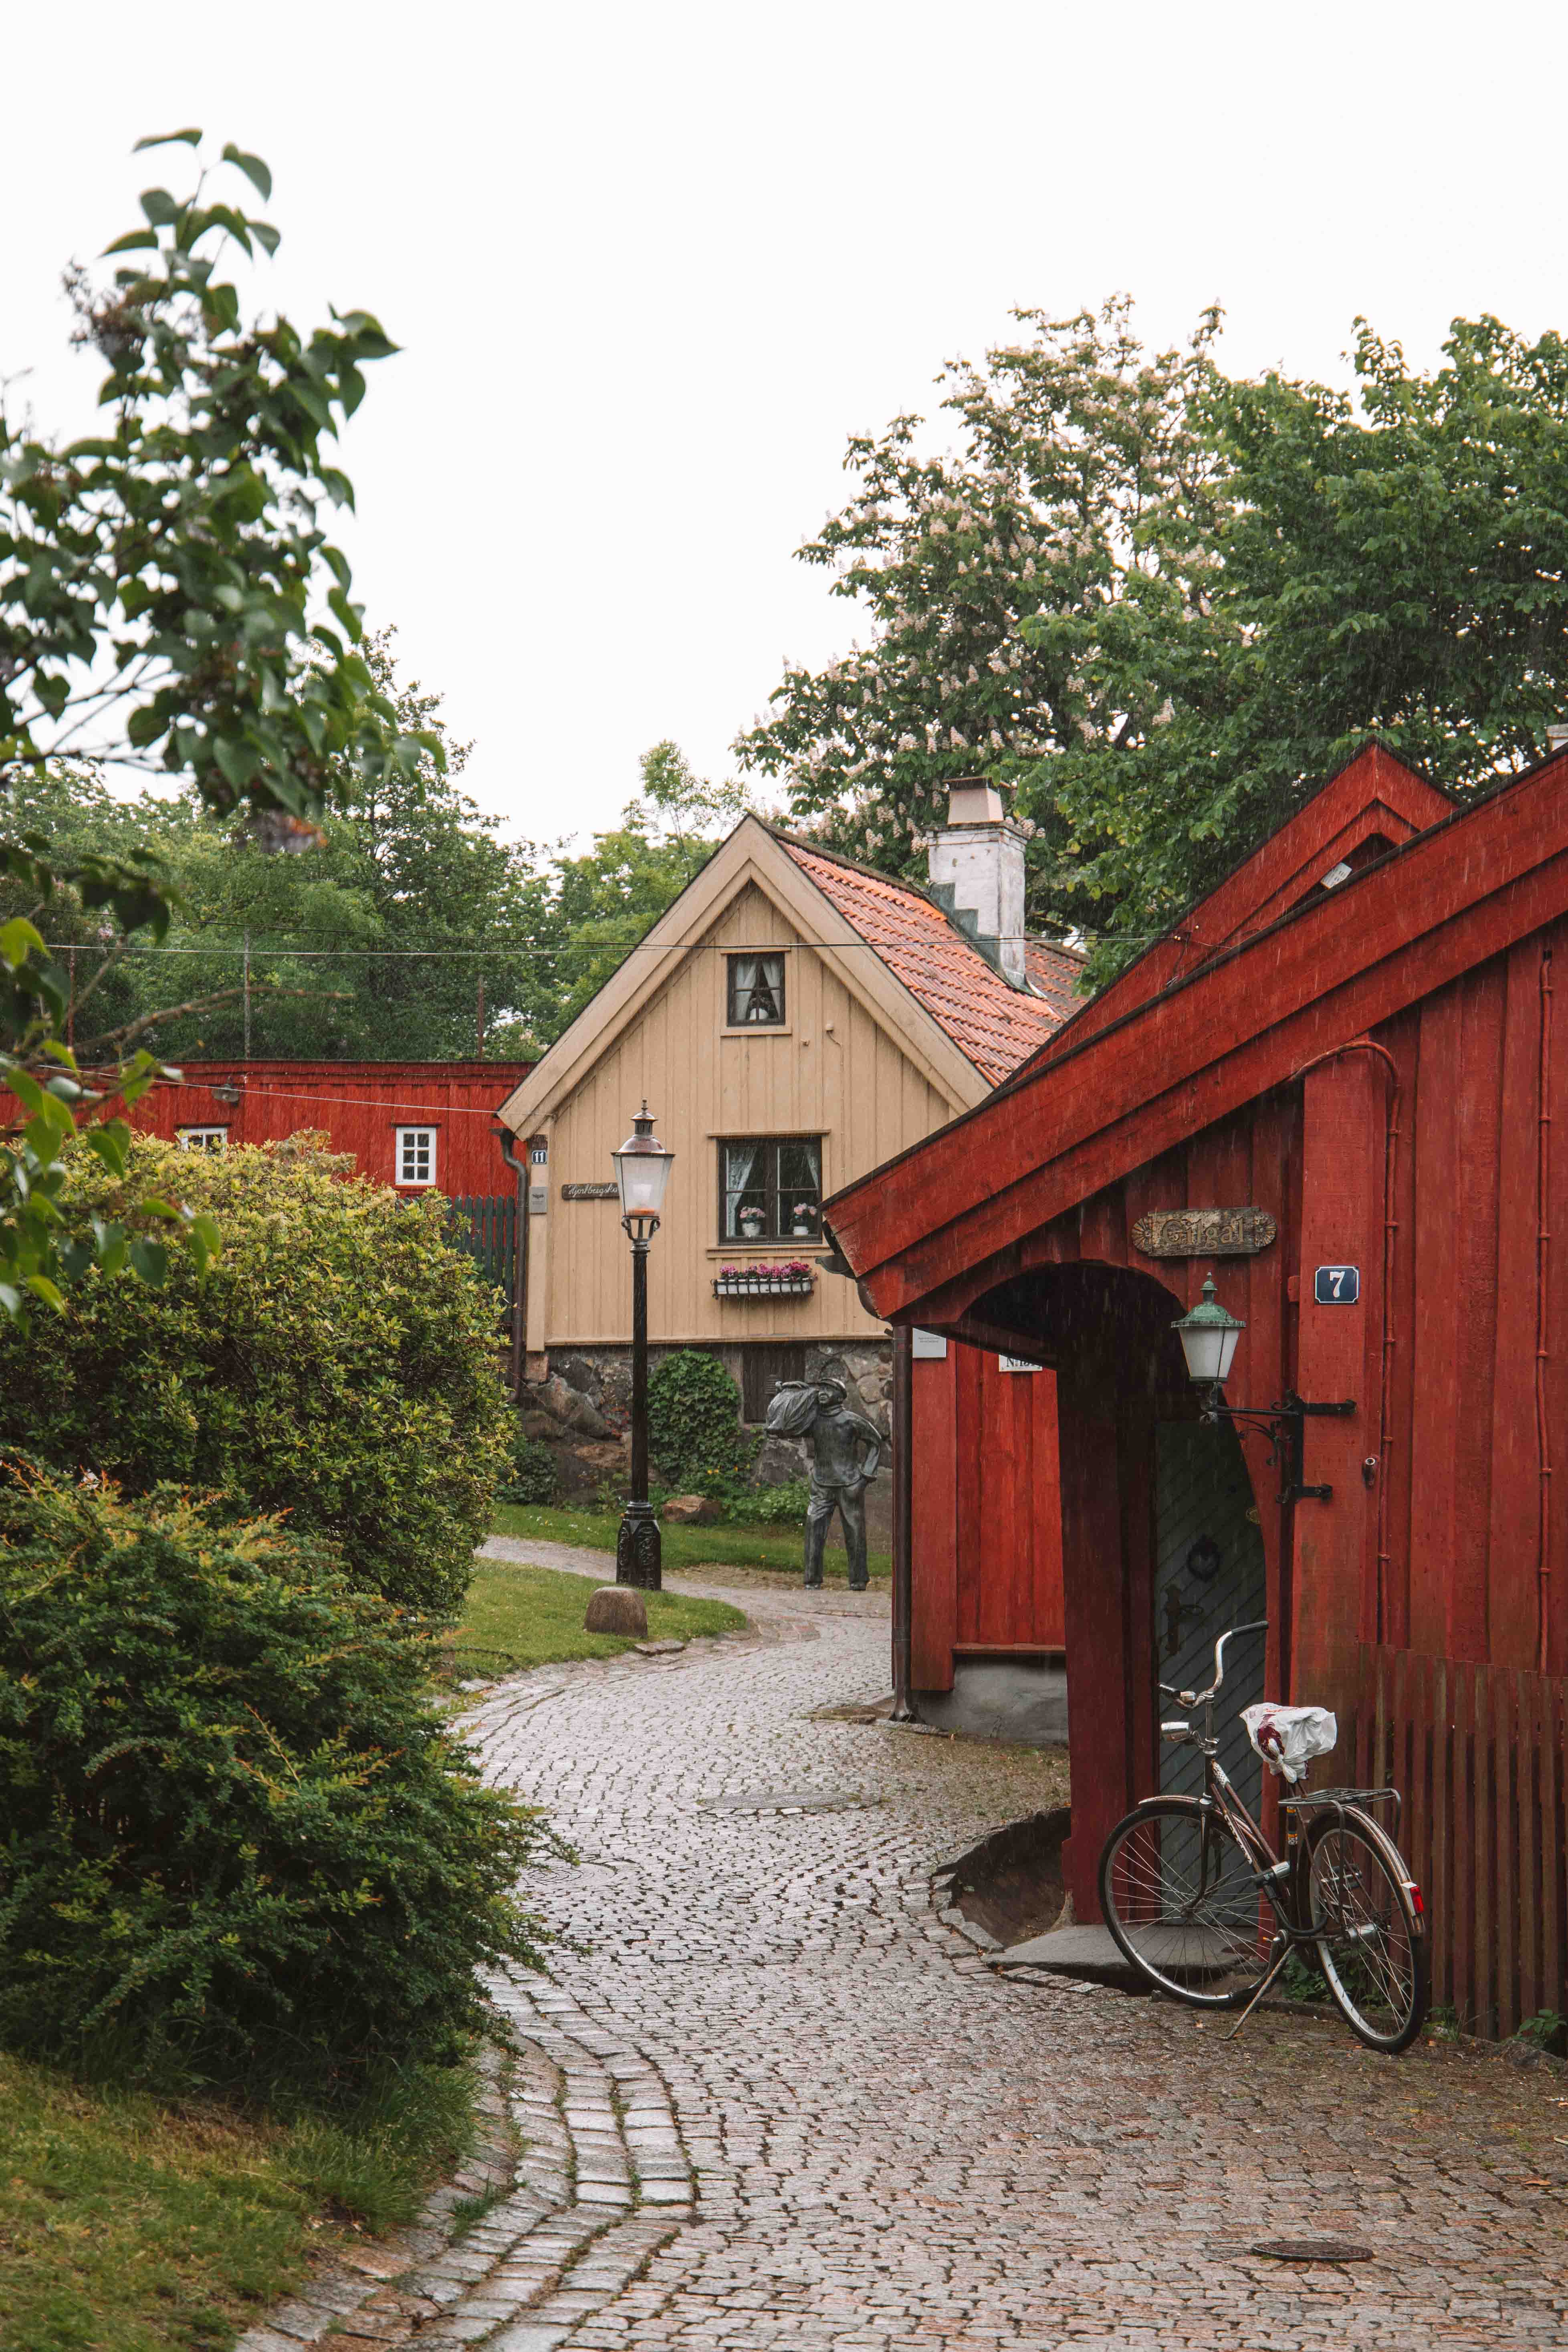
1336 1280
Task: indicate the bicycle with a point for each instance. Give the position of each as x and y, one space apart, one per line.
1203 1907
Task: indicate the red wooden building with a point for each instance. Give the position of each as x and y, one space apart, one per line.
1364 1056
421 1127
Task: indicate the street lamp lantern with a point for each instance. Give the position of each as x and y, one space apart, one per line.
1208 1337
642 1171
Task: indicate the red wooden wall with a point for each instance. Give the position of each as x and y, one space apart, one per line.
986 1512
360 1105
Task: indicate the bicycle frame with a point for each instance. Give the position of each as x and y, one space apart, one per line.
1284 1880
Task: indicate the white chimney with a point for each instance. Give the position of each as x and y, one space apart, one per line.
976 868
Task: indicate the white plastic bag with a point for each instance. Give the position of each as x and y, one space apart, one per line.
1286 1738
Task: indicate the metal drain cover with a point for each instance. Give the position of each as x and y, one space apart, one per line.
787 1801
1312 2249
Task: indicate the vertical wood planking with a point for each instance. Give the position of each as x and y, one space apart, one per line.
970 1391
934 1519
1512 1546
1047 1514
1501 1729
1482 1960
1477 1117
1531 1822
1553 1833
1445 1762
1434 1433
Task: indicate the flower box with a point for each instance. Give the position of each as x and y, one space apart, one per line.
795 1279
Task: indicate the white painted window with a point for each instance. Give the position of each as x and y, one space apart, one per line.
202 1138
416 1155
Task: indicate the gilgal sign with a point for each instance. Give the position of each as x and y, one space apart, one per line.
1204 1233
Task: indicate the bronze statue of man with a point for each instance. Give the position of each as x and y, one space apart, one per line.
846 1452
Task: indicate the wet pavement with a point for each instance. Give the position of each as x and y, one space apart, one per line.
779 2104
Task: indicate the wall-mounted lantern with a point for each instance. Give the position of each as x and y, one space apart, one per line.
1208 1337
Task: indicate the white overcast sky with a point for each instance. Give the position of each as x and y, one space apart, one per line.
650 265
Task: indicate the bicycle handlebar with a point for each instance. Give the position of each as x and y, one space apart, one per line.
1201 1698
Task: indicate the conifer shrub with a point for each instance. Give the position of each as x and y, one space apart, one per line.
237 1837
338 1363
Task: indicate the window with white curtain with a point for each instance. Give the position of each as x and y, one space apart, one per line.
416 1155
770 1188
756 992
202 1138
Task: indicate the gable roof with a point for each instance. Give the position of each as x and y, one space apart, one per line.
1332 966
995 1026
924 979
1373 803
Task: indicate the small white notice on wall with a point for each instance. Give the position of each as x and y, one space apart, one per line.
930 1347
1017 1364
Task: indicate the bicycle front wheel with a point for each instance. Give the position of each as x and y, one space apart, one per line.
1180 1897
1370 1941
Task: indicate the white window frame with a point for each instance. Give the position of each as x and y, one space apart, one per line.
202 1138
405 1144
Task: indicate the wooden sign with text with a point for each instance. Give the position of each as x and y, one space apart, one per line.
1204 1233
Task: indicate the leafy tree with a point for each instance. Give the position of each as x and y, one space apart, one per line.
1164 604
170 600
1006 582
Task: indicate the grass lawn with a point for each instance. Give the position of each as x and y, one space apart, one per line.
721 1547
133 2225
516 1617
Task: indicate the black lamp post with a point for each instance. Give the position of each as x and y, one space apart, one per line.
1208 1337
642 1171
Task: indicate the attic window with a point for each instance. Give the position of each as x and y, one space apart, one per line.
756 992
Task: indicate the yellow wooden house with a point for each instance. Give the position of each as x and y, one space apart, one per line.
792 1020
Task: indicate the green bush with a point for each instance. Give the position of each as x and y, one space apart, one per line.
768 1507
532 1475
694 1429
338 1363
238 1836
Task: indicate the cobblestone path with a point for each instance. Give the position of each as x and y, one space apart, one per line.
782 2105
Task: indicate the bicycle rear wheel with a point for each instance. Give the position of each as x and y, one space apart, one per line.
1370 1943
1180 1897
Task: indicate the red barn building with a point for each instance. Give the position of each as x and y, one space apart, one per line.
1342 1073
420 1126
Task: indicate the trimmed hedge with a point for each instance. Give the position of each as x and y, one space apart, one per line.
237 1837
338 1363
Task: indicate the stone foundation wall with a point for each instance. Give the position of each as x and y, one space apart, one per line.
583 1409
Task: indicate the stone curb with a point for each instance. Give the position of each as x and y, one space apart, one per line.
601 2181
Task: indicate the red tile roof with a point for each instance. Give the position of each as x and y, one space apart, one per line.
994 1026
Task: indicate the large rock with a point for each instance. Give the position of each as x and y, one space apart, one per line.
569 1407
618 1609
691 1510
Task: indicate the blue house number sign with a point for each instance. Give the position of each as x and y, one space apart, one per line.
1337 1286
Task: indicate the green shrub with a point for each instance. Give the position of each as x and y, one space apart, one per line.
236 1834
694 1424
338 1363
768 1507
532 1475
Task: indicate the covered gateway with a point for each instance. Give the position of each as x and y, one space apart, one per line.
1360 1069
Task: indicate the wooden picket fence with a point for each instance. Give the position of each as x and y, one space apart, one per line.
486 1228
1480 1755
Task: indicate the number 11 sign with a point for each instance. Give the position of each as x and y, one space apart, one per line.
1337 1286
